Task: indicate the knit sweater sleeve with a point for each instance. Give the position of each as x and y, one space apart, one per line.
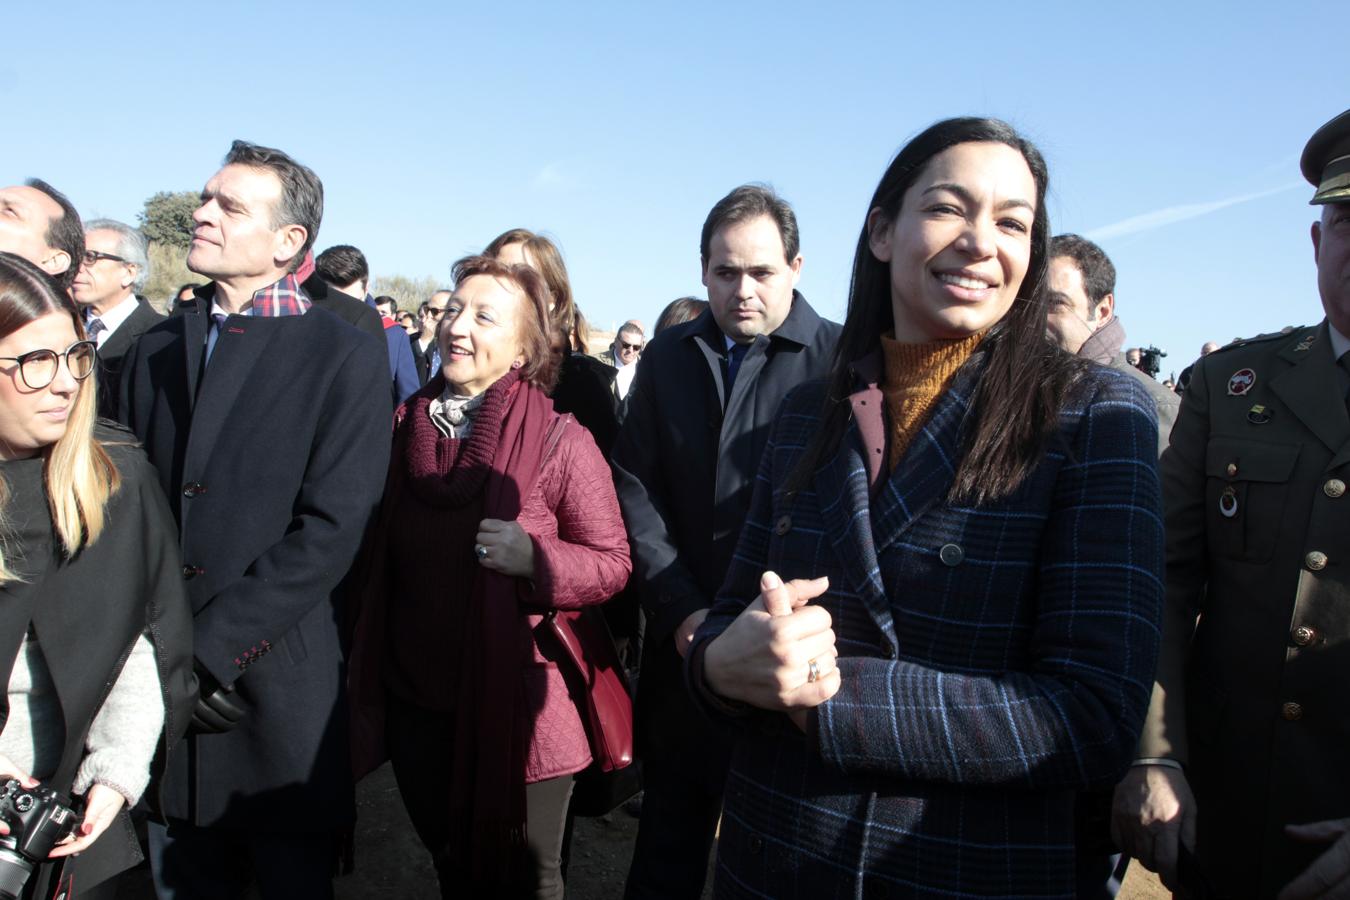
125 732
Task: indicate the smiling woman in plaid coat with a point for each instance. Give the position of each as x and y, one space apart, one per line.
981 513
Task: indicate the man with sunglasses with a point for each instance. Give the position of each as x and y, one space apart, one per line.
426 352
623 355
107 282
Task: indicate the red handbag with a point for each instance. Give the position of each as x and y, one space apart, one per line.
608 706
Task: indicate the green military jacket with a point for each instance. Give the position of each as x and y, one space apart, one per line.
1253 690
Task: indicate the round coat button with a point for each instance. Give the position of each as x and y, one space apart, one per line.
755 844
1291 712
1303 635
1316 560
1232 469
951 555
783 525
191 489
189 572
1334 488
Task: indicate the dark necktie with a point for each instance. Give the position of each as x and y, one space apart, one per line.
94 328
213 332
734 358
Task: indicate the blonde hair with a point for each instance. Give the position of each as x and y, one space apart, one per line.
78 473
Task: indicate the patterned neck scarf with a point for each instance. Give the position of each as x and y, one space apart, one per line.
284 298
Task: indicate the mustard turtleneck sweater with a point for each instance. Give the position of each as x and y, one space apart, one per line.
916 375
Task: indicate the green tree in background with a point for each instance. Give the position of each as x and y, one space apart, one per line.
168 270
167 217
408 292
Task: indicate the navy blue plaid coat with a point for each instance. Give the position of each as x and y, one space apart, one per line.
995 660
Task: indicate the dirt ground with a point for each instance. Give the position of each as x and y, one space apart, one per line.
391 863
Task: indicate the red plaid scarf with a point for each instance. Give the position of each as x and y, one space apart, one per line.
285 298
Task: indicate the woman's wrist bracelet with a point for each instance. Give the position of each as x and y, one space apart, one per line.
1158 761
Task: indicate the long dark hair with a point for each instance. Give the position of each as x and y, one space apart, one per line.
1017 403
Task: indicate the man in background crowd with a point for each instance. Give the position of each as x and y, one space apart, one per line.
268 422
344 268
1241 765
38 223
1184 378
107 287
1082 317
425 350
684 464
386 306
623 355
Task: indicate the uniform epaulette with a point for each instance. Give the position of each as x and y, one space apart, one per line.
1286 332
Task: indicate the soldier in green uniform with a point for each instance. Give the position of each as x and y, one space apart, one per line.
1245 757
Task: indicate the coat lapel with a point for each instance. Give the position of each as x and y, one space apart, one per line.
195 321
842 494
1311 389
924 475
244 342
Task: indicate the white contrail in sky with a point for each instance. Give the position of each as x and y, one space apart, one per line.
1180 213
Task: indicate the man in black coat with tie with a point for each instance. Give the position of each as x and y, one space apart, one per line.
107 283
268 421
684 465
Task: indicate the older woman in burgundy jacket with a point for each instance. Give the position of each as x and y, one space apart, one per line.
497 510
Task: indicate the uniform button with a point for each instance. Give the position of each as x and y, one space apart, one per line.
1291 712
755 844
951 555
1303 635
1232 469
783 525
1316 560
1334 488
193 488
189 572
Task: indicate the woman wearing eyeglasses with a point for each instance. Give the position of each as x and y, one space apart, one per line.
95 632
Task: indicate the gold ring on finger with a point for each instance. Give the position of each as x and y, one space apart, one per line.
812 671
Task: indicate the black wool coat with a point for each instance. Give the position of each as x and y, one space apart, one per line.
274 458
684 466
87 613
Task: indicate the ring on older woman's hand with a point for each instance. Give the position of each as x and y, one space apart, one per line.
812 671
480 551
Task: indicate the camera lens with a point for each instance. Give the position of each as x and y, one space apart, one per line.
14 872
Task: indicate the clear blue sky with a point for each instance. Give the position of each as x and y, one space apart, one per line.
1172 130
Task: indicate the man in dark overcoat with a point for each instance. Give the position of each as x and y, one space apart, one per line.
267 419
1242 759
684 465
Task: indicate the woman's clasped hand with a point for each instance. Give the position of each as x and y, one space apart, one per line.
506 548
779 653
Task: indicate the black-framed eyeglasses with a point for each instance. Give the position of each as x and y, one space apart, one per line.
38 368
435 312
93 256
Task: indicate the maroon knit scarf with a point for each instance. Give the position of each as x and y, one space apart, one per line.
502 455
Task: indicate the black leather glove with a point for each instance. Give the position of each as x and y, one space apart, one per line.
216 711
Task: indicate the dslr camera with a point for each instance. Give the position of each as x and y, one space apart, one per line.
38 819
